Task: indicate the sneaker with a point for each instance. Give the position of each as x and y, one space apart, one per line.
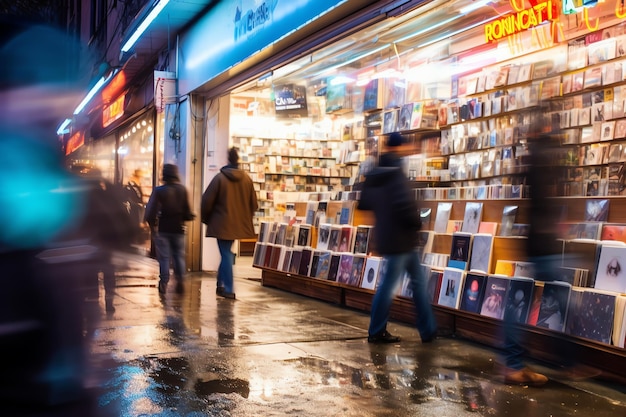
219 290
523 376
229 295
383 337
162 287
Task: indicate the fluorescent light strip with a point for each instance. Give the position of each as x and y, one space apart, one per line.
350 61
449 35
428 29
144 25
475 5
63 128
93 92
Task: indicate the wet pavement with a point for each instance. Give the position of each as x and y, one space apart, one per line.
272 353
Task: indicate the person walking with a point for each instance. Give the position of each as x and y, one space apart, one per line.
167 211
386 192
227 208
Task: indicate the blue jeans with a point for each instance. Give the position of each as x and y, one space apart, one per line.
397 264
170 246
225 270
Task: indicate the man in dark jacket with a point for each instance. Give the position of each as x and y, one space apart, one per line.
168 210
387 193
228 206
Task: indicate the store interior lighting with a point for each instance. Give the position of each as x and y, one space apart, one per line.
477 4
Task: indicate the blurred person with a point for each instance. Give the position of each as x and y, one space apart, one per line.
386 192
167 211
227 208
110 226
45 252
542 247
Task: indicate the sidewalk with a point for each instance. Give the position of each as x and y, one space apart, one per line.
272 353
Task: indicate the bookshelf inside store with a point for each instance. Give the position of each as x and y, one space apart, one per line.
469 148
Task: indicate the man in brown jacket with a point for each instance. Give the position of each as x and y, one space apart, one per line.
228 206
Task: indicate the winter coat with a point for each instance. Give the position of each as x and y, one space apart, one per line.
168 208
387 193
228 205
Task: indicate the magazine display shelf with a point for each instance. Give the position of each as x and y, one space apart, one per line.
541 343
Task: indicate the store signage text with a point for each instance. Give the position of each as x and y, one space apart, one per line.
113 111
246 23
520 21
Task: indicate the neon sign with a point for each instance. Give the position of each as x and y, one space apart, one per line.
520 21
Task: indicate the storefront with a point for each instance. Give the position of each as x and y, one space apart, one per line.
306 115
121 141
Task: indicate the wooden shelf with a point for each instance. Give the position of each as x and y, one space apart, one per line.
540 343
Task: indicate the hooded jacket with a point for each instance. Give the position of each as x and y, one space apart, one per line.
387 193
228 205
168 208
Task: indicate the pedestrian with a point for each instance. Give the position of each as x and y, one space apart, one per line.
228 206
386 192
167 211
45 254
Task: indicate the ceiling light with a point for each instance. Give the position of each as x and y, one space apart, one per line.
144 25
477 4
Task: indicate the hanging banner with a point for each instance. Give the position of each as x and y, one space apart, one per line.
164 89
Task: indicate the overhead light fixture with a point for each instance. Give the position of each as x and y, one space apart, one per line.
477 4
93 92
456 32
158 7
63 128
428 29
356 58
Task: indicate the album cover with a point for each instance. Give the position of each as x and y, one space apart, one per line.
596 210
460 251
323 236
611 270
482 249
323 264
434 284
495 296
442 217
508 219
554 304
518 299
333 270
596 314
362 239
371 272
473 291
451 287
406 112
356 270
473 216
305 261
344 273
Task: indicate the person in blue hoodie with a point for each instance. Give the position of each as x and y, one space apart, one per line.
386 191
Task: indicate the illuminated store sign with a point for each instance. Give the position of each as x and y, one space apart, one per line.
246 22
114 111
74 142
520 21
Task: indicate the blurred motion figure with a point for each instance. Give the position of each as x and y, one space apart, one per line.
47 248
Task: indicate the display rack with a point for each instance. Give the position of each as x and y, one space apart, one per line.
541 343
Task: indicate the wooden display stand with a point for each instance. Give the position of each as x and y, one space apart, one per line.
541 343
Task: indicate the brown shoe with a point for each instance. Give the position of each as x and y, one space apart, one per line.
523 376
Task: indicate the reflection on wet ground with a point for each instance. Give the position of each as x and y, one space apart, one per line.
270 353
